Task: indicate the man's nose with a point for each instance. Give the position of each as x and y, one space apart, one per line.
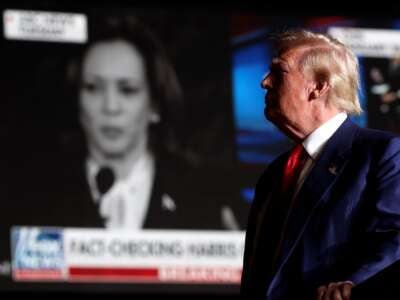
266 82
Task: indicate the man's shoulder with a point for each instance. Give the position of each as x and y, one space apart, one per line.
373 139
376 135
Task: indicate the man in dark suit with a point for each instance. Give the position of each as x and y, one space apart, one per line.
326 216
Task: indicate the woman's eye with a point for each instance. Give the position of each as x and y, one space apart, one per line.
128 90
89 87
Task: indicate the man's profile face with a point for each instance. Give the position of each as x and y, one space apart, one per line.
287 92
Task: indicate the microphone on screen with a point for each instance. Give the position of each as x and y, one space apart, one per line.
104 179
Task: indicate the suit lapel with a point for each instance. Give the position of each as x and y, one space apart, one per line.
261 206
325 172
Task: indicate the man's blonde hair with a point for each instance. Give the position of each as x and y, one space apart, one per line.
329 60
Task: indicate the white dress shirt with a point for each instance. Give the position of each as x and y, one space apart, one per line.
126 203
315 142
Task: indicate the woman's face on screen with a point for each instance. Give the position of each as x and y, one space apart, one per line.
115 104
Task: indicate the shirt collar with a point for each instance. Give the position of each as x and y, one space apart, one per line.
318 138
141 170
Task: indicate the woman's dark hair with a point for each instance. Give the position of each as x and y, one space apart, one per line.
165 89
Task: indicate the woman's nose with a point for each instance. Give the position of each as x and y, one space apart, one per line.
111 101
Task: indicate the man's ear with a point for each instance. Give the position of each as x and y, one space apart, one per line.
320 89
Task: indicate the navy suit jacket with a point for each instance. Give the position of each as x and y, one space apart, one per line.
345 226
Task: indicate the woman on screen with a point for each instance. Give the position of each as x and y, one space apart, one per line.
130 110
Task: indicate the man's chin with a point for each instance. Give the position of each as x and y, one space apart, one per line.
269 115
274 118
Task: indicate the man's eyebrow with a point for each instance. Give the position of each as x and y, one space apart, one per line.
278 62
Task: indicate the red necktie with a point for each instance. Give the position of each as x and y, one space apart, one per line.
293 167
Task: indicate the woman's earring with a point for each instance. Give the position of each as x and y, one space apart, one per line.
154 118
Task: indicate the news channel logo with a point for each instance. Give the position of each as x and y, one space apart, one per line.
36 248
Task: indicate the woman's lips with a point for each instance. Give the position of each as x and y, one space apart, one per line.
111 132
